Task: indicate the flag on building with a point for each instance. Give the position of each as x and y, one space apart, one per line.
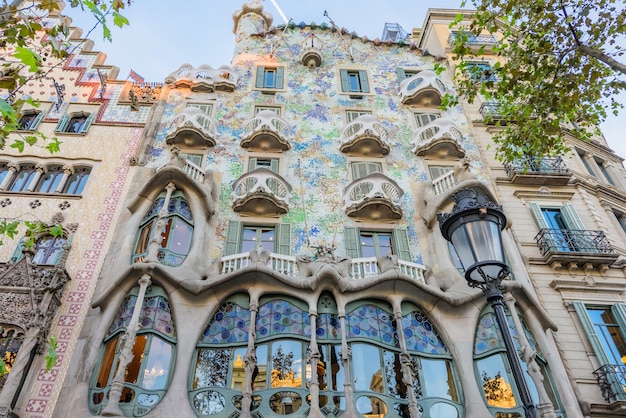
135 77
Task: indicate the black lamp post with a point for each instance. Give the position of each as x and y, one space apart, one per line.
474 228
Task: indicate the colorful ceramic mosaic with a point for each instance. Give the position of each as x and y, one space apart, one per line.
230 324
421 336
328 327
489 337
155 314
280 317
371 322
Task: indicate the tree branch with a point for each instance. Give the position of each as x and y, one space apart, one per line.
602 57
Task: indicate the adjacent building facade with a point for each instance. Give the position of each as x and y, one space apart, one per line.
262 240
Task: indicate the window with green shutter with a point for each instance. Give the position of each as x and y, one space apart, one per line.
376 243
30 120
205 107
242 238
361 169
270 77
354 81
424 118
353 114
404 73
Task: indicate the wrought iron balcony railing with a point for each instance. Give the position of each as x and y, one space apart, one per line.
612 381
573 241
533 165
474 39
491 110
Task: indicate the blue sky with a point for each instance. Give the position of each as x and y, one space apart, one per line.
164 34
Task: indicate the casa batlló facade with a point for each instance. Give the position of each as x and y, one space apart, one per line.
262 240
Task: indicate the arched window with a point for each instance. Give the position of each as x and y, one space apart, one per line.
148 374
10 341
22 179
76 123
49 182
77 181
493 370
48 250
175 236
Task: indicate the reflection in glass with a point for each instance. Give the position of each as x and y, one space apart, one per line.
443 410
157 365
209 402
211 368
285 403
440 382
371 407
256 402
393 374
286 364
259 377
495 382
239 372
367 370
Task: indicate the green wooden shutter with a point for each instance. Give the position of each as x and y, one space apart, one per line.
233 238
400 242
274 165
536 211
251 164
280 77
260 77
87 123
282 236
401 74
590 330
571 218
18 254
38 119
365 85
351 241
345 80
62 125
619 312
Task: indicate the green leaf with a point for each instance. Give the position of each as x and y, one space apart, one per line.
53 145
28 57
51 355
56 231
119 20
30 140
3 368
18 145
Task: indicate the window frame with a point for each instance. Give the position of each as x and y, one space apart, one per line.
352 114
260 107
361 75
38 117
233 243
261 82
29 168
64 125
207 107
77 181
426 113
400 243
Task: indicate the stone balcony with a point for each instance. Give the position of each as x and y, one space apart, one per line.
439 139
538 171
266 131
575 248
311 55
204 78
364 136
192 128
423 89
444 183
375 198
359 268
261 192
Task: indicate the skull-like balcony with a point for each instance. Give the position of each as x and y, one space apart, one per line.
204 78
261 192
192 128
266 132
422 89
364 136
440 138
375 197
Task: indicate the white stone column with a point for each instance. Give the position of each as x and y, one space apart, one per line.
39 171
156 240
346 361
13 168
249 359
127 343
312 361
67 172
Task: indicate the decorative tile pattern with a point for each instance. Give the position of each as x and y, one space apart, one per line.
421 336
371 322
230 324
280 317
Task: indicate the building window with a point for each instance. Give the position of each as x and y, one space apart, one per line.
195 159
270 77
493 371
564 228
262 108
4 172
424 118
480 71
605 327
271 164
404 73
351 115
23 178
10 342
374 243
50 180
605 171
77 180
176 235
586 163
354 81
437 171
205 107
48 250
147 376
242 238
77 123
362 169
30 120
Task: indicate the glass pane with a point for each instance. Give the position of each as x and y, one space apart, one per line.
443 410
209 403
47 250
337 377
285 403
368 249
22 180
143 240
367 368
270 78
106 363
495 382
134 367
355 84
287 364
440 380
259 376
393 374
371 407
608 333
384 245
179 239
157 367
211 368
239 371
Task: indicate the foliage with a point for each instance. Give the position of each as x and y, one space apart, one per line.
51 355
31 50
554 62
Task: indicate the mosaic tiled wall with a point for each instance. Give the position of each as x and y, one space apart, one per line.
315 108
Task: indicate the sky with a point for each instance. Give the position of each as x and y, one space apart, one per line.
164 34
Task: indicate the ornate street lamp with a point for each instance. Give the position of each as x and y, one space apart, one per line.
474 228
